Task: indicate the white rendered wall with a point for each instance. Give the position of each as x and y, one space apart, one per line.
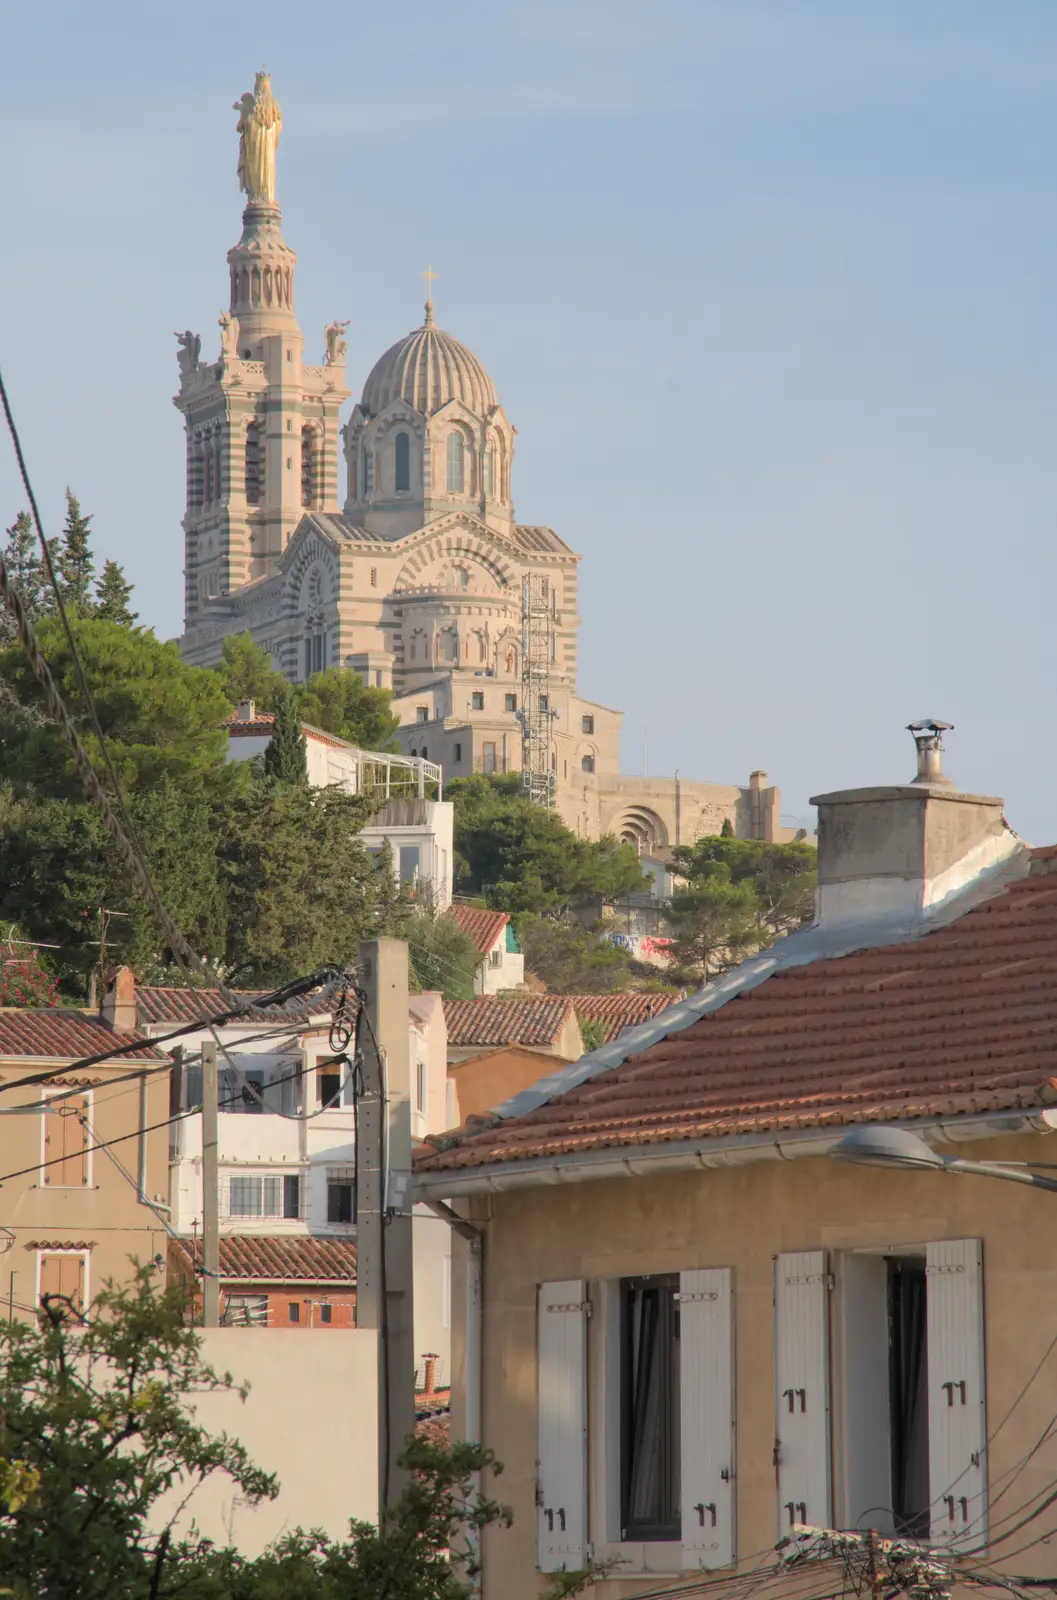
313 1423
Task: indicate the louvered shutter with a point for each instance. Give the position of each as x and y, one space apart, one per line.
957 1421
561 1488
802 1449
706 1405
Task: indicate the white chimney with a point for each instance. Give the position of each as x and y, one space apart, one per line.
899 851
246 711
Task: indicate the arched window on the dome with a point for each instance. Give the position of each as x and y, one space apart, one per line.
490 471
368 472
402 463
456 463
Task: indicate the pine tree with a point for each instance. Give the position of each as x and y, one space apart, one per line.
112 595
76 563
26 567
727 830
286 757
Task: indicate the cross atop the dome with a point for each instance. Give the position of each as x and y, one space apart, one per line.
430 277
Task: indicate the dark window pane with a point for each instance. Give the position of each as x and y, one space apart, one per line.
403 462
294 1311
324 1313
329 1088
339 1202
292 1196
650 1507
908 1396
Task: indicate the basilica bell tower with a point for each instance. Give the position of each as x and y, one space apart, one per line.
261 426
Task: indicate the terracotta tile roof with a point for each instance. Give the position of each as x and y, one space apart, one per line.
482 926
619 1011
961 1020
271 1258
60 1034
185 1005
488 1020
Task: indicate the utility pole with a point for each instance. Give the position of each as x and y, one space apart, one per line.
210 1190
384 1262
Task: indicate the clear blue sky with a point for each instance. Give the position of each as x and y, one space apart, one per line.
768 289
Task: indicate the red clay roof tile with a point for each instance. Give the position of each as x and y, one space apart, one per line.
961 1020
185 1005
280 1259
483 927
620 1011
60 1034
489 1019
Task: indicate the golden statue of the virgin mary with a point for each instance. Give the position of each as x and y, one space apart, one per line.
259 126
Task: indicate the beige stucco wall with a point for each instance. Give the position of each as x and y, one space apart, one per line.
104 1219
311 1421
482 1082
740 1218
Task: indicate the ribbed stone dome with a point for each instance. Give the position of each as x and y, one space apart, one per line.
428 369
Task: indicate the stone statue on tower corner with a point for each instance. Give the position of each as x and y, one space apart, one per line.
259 126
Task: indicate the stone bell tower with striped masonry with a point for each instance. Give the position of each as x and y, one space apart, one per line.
262 427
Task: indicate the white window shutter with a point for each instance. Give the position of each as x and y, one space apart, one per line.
706 1403
802 1438
561 1487
957 1419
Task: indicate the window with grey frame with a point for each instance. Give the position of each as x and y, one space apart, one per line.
650 1506
264 1195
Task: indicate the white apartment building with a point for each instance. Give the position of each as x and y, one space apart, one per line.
419 828
287 1159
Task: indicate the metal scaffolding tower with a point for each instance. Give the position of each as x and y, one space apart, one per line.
535 714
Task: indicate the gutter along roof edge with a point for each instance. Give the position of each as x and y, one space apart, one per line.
725 1150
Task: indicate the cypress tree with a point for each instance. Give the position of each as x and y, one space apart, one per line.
286 757
112 595
727 830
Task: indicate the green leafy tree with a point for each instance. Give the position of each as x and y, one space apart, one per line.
783 877
339 702
58 867
570 959
440 956
76 563
593 1033
522 857
162 719
393 908
714 925
96 1426
286 757
246 673
112 595
297 883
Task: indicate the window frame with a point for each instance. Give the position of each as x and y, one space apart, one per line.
455 462
85 1258
644 1530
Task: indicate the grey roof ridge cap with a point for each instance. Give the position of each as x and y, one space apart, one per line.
816 943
